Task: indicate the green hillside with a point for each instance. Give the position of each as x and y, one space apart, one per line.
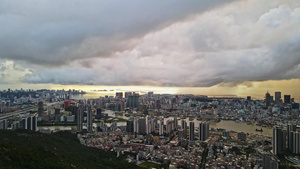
27 149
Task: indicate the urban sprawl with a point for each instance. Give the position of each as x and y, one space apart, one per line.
175 130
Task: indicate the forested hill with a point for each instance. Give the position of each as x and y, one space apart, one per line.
27 149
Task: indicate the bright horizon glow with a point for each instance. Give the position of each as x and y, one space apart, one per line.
256 90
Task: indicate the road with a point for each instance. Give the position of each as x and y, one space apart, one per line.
18 112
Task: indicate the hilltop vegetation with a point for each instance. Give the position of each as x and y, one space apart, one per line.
28 149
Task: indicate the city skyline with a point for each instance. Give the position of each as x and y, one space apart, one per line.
94 91
197 47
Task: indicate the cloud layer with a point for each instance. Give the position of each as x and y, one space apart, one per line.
169 43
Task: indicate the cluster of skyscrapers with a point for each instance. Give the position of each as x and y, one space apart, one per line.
30 123
148 125
288 139
27 123
270 99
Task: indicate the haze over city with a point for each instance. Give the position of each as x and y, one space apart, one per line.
211 47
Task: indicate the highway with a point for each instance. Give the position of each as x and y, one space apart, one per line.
18 112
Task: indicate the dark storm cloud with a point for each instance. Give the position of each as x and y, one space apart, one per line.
54 32
167 43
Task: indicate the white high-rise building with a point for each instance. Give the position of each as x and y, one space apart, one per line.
136 125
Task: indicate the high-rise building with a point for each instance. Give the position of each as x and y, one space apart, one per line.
133 101
175 123
296 142
248 98
34 123
287 98
271 99
203 130
180 134
98 115
161 127
192 131
278 140
142 126
130 126
119 95
3 124
80 118
277 97
89 119
24 123
29 123
268 99
290 128
284 140
136 125
270 161
127 94
40 108
148 124
168 127
15 125
184 127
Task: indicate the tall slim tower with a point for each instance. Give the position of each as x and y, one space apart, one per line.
24 123
89 119
34 123
268 99
192 131
80 118
290 129
161 127
29 123
184 127
296 142
175 123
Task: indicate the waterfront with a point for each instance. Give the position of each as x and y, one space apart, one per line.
241 126
224 124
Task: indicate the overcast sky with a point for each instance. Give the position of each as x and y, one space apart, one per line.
177 43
